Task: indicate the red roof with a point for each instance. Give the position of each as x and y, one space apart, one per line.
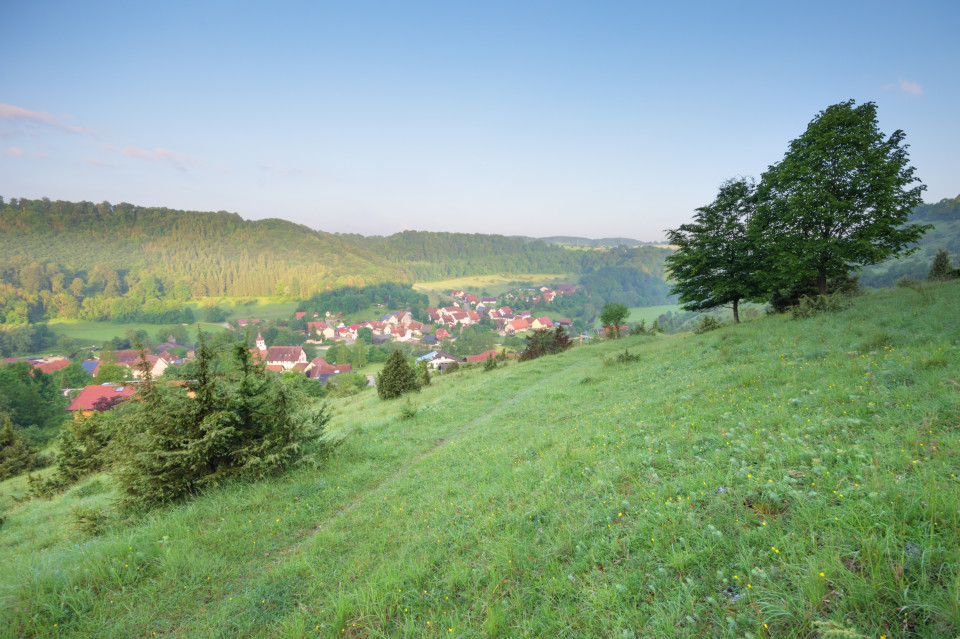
90 394
277 368
300 314
49 367
284 353
482 356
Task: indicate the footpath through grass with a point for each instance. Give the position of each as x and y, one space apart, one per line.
779 478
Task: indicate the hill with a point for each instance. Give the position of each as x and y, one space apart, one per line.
945 234
776 478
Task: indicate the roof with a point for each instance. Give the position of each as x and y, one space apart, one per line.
91 394
50 366
284 353
482 356
89 365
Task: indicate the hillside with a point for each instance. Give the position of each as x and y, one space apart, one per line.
222 254
944 216
788 478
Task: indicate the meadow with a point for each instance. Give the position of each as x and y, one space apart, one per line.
777 478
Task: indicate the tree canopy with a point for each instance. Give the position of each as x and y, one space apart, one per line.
839 199
716 259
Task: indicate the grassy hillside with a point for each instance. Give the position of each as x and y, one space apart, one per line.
780 478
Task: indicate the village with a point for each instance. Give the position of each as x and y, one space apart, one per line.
427 342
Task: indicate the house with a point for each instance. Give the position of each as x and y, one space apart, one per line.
99 397
482 357
489 301
285 356
245 322
442 334
438 360
50 364
300 314
516 325
471 299
563 321
322 329
319 369
541 322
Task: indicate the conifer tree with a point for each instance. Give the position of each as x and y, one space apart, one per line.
396 378
941 269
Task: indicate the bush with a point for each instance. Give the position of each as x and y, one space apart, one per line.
408 410
396 378
707 324
543 342
808 306
242 423
941 270
16 455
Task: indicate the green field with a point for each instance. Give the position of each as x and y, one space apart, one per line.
87 333
777 478
495 284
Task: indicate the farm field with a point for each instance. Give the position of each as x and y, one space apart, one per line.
87 333
495 284
778 478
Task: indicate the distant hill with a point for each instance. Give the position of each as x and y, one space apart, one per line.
604 242
945 218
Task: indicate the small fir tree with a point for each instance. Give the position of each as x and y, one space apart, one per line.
941 269
16 456
396 378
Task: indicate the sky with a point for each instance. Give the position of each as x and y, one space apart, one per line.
593 119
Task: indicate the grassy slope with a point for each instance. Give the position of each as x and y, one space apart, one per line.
778 478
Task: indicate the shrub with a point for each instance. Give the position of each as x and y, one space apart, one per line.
408 410
707 324
396 378
808 306
452 367
543 342
242 423
941 270
16 455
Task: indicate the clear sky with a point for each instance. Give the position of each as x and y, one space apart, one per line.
524 117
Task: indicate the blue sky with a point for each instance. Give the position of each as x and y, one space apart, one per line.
537 118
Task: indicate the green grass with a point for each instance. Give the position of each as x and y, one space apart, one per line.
87 333
779 478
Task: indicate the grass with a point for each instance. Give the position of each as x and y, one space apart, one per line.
87 333
779 478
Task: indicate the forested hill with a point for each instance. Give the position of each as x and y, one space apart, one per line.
433 256
223 254
210 253
944 216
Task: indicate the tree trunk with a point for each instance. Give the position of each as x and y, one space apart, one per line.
736 311
822 281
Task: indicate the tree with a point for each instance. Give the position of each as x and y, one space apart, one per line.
838 200
612 316
544 342
16 455
396 378
716 262
941 269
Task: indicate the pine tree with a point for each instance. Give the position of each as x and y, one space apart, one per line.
396 378
941 269
16 456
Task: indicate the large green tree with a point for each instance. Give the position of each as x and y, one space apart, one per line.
716 260
839 199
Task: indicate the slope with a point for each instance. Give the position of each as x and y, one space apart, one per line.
776 478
